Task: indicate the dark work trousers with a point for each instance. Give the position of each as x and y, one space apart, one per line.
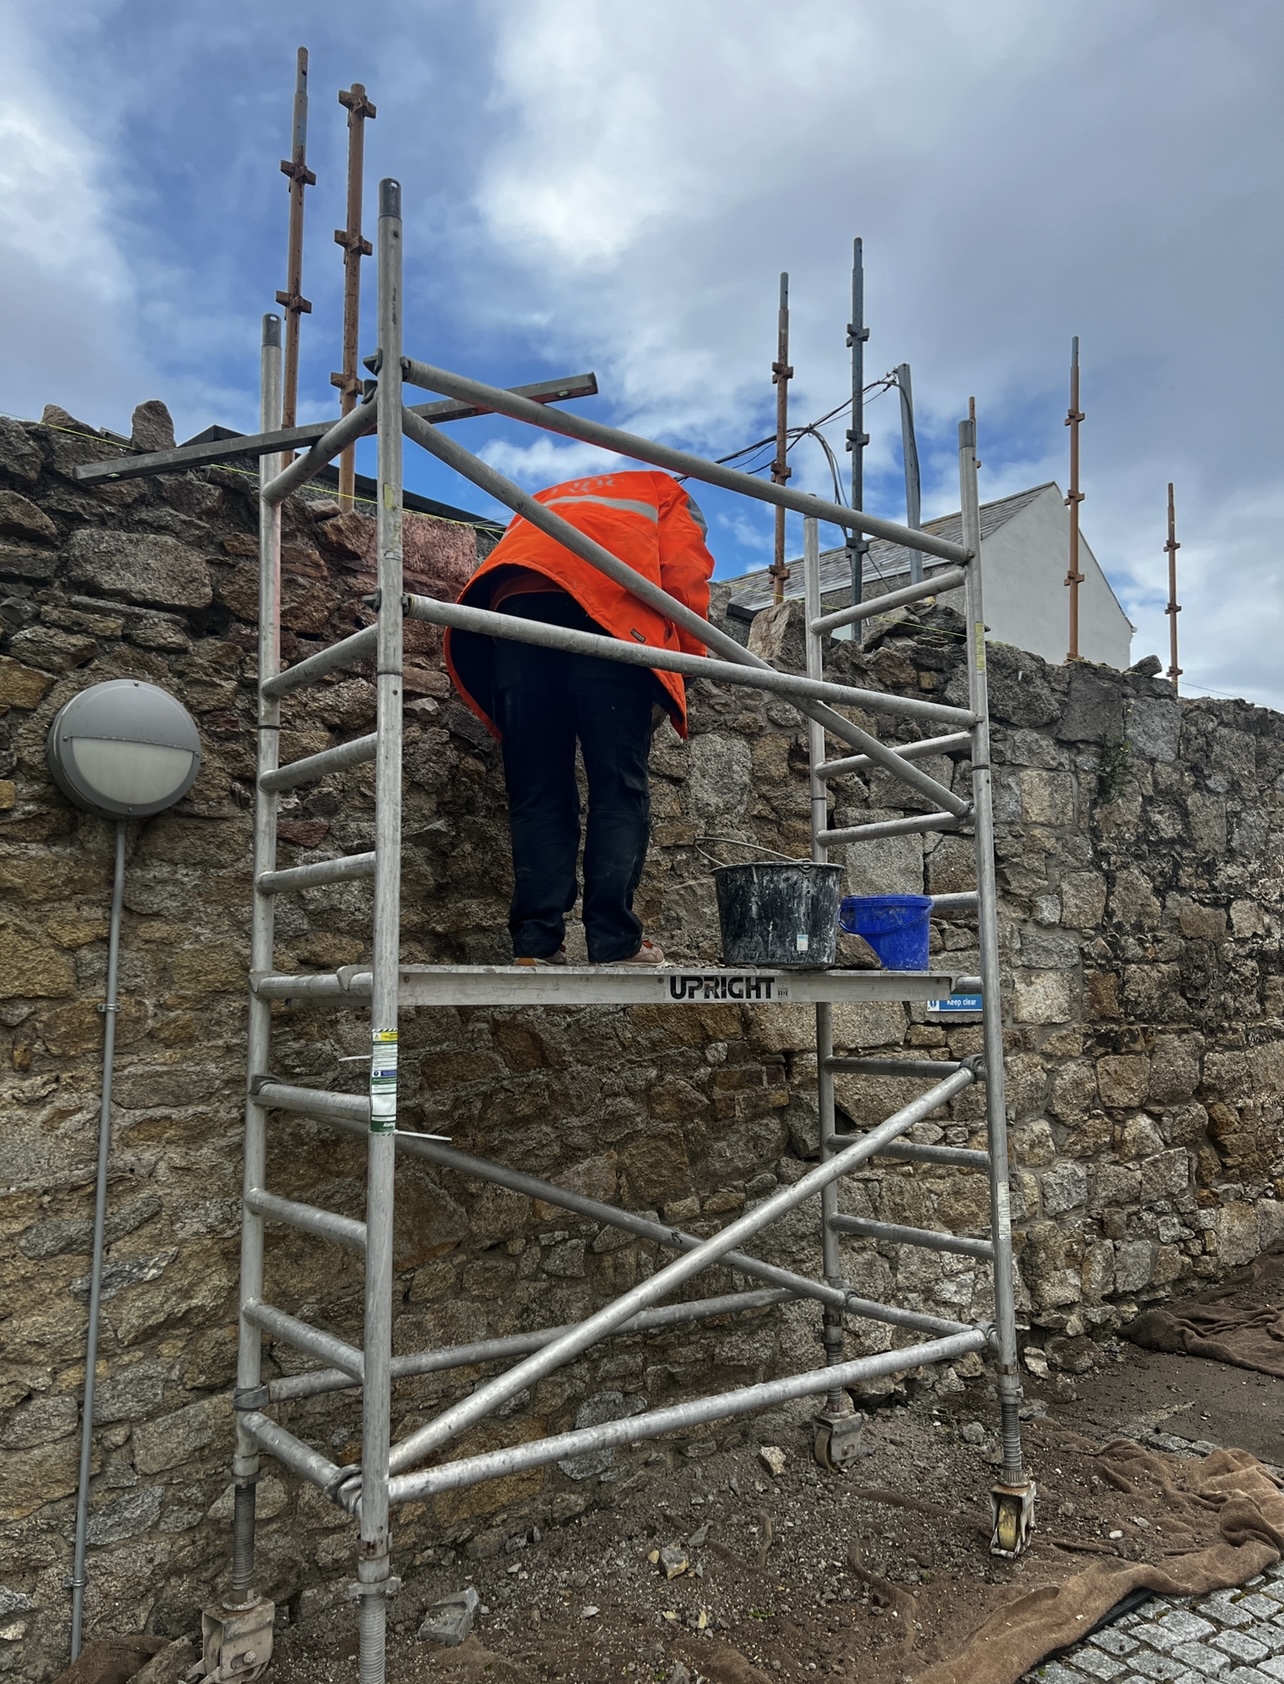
546 700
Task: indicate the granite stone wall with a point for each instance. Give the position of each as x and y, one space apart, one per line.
1140 877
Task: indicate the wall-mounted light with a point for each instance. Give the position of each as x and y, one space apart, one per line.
123 749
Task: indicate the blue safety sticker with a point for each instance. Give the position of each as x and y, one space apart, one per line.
958 1003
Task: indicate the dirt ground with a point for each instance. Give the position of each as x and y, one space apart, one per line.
807 1574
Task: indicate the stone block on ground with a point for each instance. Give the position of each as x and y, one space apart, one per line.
449 1621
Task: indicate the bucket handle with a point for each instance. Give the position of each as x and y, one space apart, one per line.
757 847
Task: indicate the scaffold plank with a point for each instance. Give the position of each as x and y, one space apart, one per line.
604 985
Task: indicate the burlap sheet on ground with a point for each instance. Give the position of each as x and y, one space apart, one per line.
1223 1515
1248 1338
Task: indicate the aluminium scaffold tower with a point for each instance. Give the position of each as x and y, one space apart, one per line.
238 1632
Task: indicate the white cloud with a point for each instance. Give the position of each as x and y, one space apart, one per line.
545 461
1019 174
66 292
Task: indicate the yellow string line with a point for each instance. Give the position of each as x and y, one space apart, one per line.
249 473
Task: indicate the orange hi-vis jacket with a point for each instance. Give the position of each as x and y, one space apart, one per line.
647 520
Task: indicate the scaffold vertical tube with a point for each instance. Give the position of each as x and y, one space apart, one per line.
1009 1384
831 1336
372 1561
245 1466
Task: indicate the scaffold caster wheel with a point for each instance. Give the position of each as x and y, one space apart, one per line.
236 1641
1012 1512
837 1443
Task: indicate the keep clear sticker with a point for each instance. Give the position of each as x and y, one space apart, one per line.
383 1081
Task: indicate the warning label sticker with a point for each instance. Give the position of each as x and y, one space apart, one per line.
383 1081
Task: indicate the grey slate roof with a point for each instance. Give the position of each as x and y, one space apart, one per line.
753 591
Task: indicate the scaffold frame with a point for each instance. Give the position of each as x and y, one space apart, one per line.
237 1636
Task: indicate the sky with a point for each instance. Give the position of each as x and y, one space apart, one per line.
590 184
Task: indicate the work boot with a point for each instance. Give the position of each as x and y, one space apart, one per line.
650 953
558 958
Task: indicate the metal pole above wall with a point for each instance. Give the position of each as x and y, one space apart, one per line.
1073 577
292 299
354 249
1174 607
909 452
857 437
781 374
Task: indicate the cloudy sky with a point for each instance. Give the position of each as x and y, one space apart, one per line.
595 184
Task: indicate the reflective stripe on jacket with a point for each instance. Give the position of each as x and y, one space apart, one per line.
645 519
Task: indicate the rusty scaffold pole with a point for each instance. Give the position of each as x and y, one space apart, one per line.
1073 576
292 299
1174 607
909 456
354 249
857 437
781 374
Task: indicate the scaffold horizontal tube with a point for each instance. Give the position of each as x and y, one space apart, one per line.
417 1363
963 902
292 438
928 1238
906 751
671 660
327 1224
493 1392
676 461
931 1068
471 1470
913 1152
316 766
313 1341
893 1315
347 430
306 985
291 1452
347 869
968 985
326 1106
345 653
939 582
894 827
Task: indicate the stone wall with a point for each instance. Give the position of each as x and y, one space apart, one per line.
1140 885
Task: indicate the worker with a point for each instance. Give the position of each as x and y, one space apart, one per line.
541 701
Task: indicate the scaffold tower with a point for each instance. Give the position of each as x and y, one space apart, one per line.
238 1630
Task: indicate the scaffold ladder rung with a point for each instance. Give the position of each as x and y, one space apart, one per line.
928 1238
881 828
316 766
309 1219
920 750
911 1068
349 868
342 654
322 1103
312 1341
965 1157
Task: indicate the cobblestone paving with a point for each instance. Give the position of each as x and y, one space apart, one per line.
1230 1636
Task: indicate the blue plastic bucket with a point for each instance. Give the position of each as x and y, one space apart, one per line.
897 927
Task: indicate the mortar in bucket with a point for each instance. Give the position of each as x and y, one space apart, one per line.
778 913
897 927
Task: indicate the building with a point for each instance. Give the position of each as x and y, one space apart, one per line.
1024 552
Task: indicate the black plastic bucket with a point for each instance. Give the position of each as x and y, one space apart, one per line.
779 915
